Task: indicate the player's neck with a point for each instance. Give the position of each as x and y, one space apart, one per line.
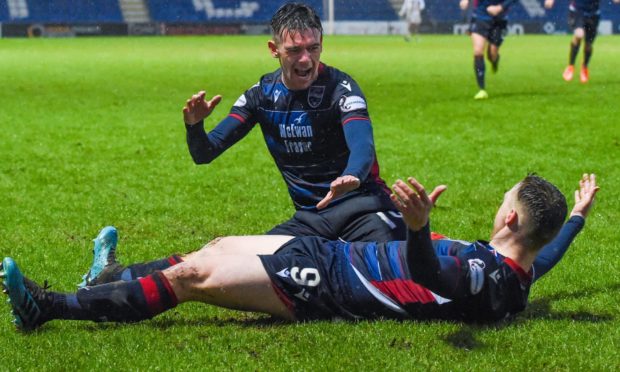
510 246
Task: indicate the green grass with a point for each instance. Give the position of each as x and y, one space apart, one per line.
92 135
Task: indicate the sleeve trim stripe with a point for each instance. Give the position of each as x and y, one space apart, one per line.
238 117
359 118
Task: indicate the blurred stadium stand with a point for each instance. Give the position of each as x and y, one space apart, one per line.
252 16
180 10
60 11
360 10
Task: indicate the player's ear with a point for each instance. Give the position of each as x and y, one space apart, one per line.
512 219
273 48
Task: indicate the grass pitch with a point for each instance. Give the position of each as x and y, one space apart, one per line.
92 135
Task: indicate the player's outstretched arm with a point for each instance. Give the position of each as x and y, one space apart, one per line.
552 253
584 197
440 274
203 146
197 109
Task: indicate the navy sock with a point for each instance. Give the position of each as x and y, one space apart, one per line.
117 302
495 62
587 54
574 49
479 70
143 269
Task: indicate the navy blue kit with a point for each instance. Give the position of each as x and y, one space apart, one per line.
585 14
493 28
425 277
314 136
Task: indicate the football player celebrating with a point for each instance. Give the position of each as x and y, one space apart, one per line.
583 18
308 278
315 122
487 28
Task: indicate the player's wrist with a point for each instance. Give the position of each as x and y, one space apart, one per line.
197 125
191 123
417 225
578 214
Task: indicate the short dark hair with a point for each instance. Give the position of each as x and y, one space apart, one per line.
545 206
294 17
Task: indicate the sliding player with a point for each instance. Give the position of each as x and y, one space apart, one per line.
313 278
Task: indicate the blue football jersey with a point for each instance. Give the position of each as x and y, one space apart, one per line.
314 135
588 7
482 285
480 8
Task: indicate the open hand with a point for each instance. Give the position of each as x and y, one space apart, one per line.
338 187
197 109
584 197
414 204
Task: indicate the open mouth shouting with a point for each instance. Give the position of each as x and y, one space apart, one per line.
303 73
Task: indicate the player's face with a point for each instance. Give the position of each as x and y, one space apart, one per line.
299 54
509 203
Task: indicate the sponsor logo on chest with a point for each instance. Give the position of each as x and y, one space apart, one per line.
297 134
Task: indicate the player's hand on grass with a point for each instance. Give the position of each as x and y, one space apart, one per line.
338 187
463 4
197 109
549 4
584 197
413 202
494 10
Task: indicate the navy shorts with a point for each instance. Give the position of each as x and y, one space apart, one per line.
314 278
365 217
577 19
493 30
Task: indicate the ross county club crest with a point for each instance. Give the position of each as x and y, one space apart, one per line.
315 96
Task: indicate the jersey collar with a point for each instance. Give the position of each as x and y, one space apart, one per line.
524 277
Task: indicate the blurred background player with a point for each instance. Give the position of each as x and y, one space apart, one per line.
487 28
583 18
412 12
316 125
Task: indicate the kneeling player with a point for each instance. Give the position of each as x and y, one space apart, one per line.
314 278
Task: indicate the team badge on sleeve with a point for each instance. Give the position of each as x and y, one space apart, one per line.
241 101
476 275
352 103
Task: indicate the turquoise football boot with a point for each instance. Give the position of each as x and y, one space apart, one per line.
104 254
29 301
